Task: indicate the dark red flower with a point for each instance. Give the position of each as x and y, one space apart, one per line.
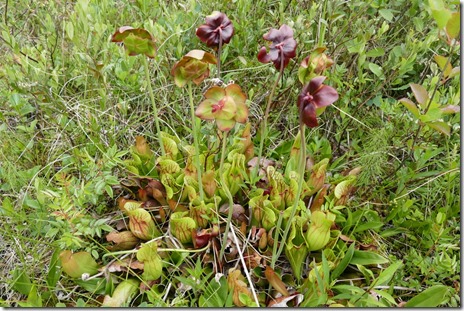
315 95
217 27
283 47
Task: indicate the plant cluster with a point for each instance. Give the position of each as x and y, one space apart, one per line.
234 212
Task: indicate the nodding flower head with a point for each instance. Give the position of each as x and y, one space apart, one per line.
218 28
283 47
315 95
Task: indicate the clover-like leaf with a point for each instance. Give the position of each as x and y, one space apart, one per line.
135 40
217 30
193 66
282 49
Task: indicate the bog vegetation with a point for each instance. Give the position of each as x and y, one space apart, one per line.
230 153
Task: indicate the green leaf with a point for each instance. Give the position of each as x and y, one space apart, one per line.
442 62
76 264
367 258
122 294
21 282
420 93
375 52
343 263
441 127
431 297
34 299
95 286
439 12
410 106
387 14
376 69
386 275
370 225
343 188
453 26
54 272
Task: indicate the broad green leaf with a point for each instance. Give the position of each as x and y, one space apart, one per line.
375 52
343 263
367 258
442 127
431 297
96 286
386 275
370 225
442 62
21 282
76 264
453 26
387 297
410 106
439 13
420 93
34 299
54 272
376 69
387 14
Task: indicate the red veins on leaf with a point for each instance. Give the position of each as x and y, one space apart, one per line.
315 95
218 28
283 47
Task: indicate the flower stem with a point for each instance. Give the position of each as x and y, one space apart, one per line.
227 191
264 130
219 58
155 110
229 220
195 142
301 171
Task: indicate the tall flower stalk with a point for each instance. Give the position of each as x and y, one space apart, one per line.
194 67
282 49
139 41
313 96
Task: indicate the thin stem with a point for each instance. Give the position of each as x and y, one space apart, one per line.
421 125
155 110
229 221
301 170
228 194
219 58
276 239
264 130
195 142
